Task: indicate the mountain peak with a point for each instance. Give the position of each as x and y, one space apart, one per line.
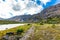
51 11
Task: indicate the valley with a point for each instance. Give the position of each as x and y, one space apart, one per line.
42 26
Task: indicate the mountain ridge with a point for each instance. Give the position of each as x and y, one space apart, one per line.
51 11
1 18
48 12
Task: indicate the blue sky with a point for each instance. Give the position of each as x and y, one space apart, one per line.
10 8
58 1
50 3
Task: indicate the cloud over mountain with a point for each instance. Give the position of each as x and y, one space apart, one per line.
9 8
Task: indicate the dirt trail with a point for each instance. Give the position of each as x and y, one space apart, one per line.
31 30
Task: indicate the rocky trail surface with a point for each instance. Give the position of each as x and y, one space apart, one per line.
27 34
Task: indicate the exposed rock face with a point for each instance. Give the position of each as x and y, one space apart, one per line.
51 11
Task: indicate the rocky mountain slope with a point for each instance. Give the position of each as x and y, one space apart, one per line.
48 12
20 18
51 11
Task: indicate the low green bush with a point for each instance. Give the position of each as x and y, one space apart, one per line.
28 24
41 23
20 31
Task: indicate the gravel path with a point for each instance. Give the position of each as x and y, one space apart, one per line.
31 30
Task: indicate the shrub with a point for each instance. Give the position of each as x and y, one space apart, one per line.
28 24
41 23
10 33
20 31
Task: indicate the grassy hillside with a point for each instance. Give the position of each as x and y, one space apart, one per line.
52 20
46 32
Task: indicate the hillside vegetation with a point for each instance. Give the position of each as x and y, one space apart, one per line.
20 30
46 32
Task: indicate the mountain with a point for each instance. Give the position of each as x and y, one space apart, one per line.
51 11
48 12
21 18
25 18
1 18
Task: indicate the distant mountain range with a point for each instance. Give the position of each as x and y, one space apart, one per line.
48 12
1 18
21 18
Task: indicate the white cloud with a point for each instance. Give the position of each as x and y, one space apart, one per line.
6 7
45 1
